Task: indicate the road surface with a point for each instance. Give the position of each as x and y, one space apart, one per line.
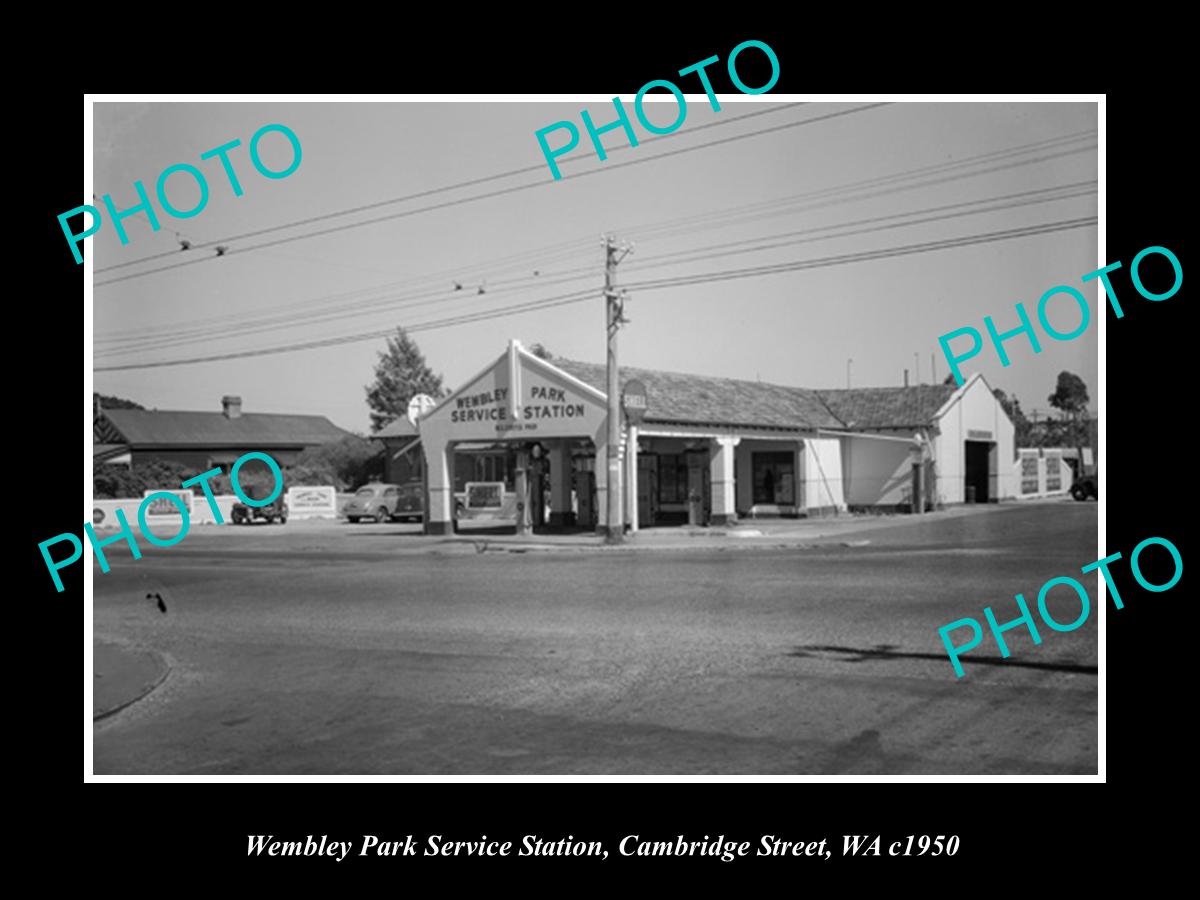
332 650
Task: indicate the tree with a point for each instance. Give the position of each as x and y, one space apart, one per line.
949 379
107 402
1071 397
349 463
540 352
116 481
400 374
1022 429
1071 394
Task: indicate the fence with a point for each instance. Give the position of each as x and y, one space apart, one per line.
1042 472
301 503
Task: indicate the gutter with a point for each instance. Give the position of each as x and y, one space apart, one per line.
878 437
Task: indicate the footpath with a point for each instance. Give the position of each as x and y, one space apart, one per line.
123 674
840 530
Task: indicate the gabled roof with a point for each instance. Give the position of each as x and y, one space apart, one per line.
184 428
700 399
105 452
888 407
397 428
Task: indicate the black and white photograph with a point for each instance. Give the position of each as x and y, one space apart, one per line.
688 433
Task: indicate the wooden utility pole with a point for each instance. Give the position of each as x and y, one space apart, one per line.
614 529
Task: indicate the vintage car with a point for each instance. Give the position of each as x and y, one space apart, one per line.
385 502
1085 486
275 511
410 507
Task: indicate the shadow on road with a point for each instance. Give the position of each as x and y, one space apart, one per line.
887 651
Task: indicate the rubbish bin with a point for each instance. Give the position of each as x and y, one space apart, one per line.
970 493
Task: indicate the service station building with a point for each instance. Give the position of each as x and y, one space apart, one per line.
703 450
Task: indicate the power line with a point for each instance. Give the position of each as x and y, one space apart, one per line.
846 229
863 256
509 262
641 160
986 205
855 194
438 190
690 224
893 178
579 296
195 336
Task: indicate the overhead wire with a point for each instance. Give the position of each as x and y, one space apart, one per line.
641 160
947 211
659 284
664 230
471 182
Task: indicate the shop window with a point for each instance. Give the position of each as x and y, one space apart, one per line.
489 467
672 478
774 478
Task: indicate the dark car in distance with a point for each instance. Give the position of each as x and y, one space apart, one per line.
1085 486
410 505
275 511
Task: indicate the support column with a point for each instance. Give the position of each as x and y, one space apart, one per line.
631 479
801 485
601 473
721 473
522 490
560 485
439 463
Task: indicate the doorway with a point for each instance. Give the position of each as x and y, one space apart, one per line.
647 489
977 482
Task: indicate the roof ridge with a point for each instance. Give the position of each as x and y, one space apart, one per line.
786 387
217 412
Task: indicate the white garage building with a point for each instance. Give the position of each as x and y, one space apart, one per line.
710 449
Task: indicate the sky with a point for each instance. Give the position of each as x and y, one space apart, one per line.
702 211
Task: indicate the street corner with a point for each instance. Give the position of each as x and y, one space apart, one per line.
122 674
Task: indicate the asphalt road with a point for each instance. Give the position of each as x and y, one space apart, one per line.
330 652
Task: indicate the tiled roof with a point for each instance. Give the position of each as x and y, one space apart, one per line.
887 407
177 428
397 428
701 399
676 397
105 452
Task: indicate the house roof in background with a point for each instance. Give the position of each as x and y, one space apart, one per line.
105 452
185 428
397 428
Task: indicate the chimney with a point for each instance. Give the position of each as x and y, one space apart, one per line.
906 377
231 406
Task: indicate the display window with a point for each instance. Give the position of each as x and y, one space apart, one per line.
774 478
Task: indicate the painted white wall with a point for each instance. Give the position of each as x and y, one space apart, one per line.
822 473
878 472
972 408
200 514
1044 463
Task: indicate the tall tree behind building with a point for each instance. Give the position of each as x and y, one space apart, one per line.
1022 432
400 374
1071 398
103 401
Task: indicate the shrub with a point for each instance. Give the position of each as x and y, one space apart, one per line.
115 481
346 464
